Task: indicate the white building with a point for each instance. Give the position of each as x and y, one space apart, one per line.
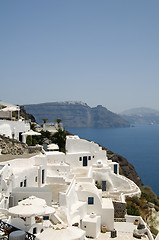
9 126
68 182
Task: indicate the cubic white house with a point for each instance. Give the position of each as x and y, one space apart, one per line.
9 125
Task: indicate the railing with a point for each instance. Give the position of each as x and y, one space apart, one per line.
5 226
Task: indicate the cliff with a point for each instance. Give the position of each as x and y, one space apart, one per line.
76 114
26 115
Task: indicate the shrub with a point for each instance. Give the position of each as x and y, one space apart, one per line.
149 195
98 186
154 230
132 210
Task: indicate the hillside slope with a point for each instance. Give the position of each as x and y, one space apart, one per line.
141 116
76 114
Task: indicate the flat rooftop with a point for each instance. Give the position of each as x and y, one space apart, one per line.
49 153
8 157
80 171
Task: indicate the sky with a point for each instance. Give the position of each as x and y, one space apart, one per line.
101 52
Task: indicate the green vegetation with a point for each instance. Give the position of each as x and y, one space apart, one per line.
154 230
44 120
31 140
15 115
33 126
141 206
132 210
98 186
138 206
58 121
149 195
58 138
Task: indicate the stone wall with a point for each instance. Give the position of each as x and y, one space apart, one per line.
14 147
119 209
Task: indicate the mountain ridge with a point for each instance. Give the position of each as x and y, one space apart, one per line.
139 110
141 115
76 114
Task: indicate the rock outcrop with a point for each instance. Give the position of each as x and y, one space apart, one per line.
26 115
14 147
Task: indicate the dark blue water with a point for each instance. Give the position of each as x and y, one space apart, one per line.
139 144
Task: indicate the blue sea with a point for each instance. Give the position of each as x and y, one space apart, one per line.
138 144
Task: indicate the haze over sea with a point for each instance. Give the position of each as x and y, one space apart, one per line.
139 145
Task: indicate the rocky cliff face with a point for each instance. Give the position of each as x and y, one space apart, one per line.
14 147
76 114
26 115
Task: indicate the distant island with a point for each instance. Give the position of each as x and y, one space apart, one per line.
76 114
141 116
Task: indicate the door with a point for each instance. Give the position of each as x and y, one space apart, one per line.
20 136
103 186
85 161
115 168
43 176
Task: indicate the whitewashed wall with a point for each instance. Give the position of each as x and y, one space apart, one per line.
55 157
28 174
92 226
8 128
76 144
83 195
6 184
107 213
22 193
112 180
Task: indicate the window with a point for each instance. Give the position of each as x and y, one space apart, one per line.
45 217
21 184
89 158
25 183
80 158
85 161
90 200
34 230
36 179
